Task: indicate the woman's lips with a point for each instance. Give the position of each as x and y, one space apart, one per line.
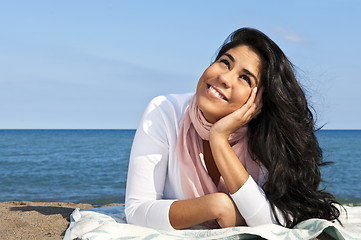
216 92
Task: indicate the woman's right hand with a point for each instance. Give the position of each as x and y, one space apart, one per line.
215 206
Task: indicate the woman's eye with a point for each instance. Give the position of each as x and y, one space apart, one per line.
225 62
246 78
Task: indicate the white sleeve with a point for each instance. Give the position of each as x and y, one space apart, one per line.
147 171
254 206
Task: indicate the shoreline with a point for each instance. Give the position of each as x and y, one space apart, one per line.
38 220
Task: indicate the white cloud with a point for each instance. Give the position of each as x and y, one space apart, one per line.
290 36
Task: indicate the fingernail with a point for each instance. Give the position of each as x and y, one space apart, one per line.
255 89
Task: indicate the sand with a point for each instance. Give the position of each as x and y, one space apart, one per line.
44 220
37 220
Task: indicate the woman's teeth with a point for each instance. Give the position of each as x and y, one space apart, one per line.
215 92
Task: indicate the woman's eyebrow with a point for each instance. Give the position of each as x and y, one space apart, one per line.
244 70
251 74
230 57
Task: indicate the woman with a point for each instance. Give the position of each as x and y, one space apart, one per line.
241 151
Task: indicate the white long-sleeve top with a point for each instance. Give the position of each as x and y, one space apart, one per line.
154 181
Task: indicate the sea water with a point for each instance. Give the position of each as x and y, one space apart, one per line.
91 165
343 176
64 165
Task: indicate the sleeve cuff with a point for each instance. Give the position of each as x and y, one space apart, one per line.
158 215
252 203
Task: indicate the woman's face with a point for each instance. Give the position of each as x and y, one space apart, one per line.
227 84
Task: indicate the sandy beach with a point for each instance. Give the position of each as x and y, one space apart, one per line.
37 220
43 220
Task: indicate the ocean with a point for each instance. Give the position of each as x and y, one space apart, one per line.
91 166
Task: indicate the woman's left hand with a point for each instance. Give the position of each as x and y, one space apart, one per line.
232 122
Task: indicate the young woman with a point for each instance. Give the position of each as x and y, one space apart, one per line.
241 151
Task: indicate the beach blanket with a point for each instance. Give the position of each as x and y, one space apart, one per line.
110 223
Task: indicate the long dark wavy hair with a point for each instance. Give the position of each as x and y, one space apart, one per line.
282 136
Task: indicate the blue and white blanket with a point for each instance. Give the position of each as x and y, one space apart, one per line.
110 223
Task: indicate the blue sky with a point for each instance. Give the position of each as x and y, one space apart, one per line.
96 64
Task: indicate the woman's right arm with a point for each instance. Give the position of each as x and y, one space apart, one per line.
147 171
215 206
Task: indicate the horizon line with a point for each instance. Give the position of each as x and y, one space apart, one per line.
331 129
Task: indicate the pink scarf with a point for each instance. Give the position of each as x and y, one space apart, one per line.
194 175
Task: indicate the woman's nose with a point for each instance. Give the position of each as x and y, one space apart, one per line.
225 79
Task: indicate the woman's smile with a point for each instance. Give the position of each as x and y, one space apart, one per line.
214 92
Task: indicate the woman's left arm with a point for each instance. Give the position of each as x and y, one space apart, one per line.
228 164
247 195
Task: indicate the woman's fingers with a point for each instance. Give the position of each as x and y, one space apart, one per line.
252 107
252 98
258 99
241 116
258 102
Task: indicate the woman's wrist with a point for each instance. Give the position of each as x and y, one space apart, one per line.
218 137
